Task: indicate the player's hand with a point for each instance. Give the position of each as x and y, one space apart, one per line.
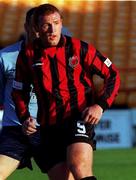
29 126
92 114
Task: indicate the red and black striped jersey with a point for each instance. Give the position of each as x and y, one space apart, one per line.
62 77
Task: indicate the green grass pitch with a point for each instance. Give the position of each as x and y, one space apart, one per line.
117 164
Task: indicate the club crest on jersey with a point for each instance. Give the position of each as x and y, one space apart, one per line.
73 61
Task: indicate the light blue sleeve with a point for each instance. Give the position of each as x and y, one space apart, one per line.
65 31
2 81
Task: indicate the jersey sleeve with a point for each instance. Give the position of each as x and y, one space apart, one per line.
103 67
21 87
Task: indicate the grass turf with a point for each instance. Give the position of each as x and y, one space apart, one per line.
117 164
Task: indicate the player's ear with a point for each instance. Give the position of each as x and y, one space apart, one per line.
36 32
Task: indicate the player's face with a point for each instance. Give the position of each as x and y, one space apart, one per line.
50 29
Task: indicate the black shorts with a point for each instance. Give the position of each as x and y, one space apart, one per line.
56 139
15 144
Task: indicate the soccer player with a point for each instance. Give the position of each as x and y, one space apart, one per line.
10 157
61 69
15 147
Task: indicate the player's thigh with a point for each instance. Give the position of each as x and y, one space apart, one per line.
80 157
60 172
7 166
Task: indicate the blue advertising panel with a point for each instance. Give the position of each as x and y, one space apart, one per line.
115 129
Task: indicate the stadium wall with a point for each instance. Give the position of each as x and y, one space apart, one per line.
116 129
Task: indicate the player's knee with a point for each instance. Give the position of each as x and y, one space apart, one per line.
5 173
2 176
79 169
